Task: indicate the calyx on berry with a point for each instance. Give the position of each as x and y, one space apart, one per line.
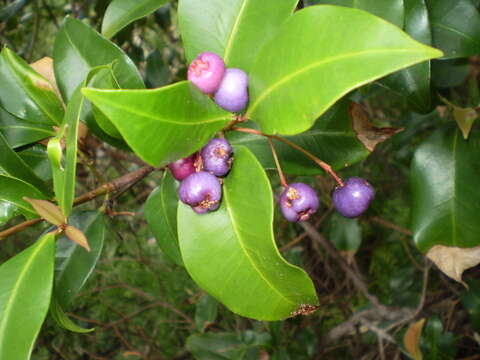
232 94
207 72
202 191
217 157
354 197
298 202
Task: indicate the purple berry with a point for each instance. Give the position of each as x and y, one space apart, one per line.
353 198
217 157
232 95
202 191
182 168
207 72
298 202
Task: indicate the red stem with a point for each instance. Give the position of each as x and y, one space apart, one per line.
277 163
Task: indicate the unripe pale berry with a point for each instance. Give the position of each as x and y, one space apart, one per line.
232 95
202 191
353 198
298 201
207 72
183 167
217 157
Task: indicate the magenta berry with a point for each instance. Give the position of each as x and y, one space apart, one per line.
183 167
232 95
207 72
298 201
353 198
202 191
217 157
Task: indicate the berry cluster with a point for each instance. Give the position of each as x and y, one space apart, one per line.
200 186
229 86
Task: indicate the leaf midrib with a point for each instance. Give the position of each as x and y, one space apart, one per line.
454 185
13 293
320 63
233 32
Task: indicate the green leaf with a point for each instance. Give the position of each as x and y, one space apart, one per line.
390 10
414 81
161 214
73 264
36 158
291 84
237 241
19 132
14 190
120 13
345 234
78 49
157 72
12 164
7 212
235 30
161 125
331 139
25 289
223 346
438 344
205 312
455 27
58 314
444 177
26 94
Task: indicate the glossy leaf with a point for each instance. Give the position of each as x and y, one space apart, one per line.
26 94
120 13
73 264
161 214
390 10
444 177
414 81
455 27
7 212
25 289
331 138
344 233
62 319
36 158
161 125
19 132
291 84
235 30
12 164
231 253
14 190
157 71
78 49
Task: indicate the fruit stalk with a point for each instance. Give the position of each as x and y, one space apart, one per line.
283 180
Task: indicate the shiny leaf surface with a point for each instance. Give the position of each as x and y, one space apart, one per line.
161 125
291 84
161 214
14 190
444 177
25 289
235 30
237 241
62 319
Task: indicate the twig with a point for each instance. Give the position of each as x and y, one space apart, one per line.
391 225
112 186
283 181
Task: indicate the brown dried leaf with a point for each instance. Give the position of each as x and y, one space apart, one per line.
44 67
48 211
77 236
411 339
368 134
453 261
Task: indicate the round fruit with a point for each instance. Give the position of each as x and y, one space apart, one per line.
353 198
207 72
217 157
298 202
182 168
232 95
202 191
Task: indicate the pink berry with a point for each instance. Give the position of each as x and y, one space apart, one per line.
183 167
206 72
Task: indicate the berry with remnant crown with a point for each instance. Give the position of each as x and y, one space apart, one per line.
298 201
202 191
353 198
207 72
217 157
232 94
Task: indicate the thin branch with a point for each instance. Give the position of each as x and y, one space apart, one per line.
112 186
391 225
283 181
